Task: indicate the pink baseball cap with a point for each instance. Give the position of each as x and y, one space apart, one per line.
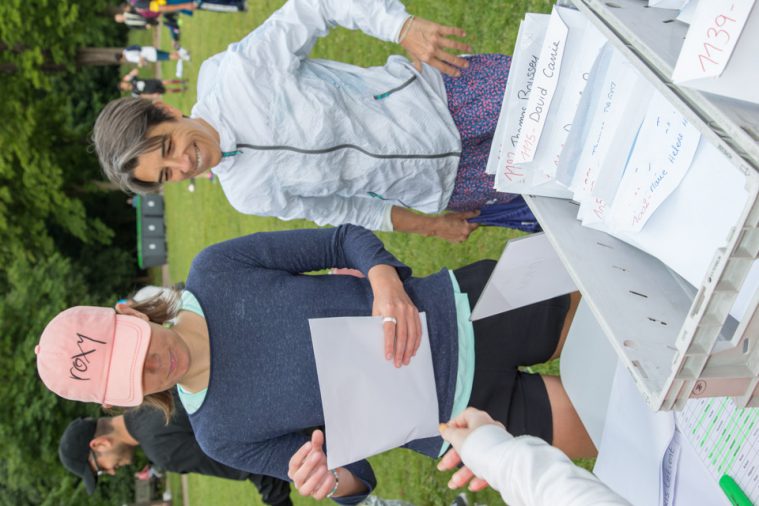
92 354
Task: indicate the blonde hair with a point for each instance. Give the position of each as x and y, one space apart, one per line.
160 305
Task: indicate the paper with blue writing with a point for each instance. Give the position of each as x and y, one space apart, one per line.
617 108
662 154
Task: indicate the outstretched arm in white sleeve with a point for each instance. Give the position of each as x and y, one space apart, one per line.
525 470
291 32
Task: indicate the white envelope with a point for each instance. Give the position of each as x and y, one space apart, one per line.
687 12
369 405
663 152
719 52
521 77
696 219
616 109
528 271
583 120
568 53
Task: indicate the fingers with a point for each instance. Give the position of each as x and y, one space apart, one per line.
317 439
475 418
458 46
299 457
450 460
389 330
455 227
427 41
451 31
296 461
468 215
308 468
402 337
418 321
460 478
478 484
313 475
413 337
455 435
451 63
444 67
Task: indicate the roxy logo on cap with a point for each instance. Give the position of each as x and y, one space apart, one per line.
80 361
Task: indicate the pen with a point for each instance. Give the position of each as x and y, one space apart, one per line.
733 492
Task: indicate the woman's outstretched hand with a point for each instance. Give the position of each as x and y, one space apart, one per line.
428 42
402 326
308 469
455 432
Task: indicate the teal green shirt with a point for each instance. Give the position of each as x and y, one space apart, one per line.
465 370
191 401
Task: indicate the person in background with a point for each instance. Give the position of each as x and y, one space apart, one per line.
525 470
164 6
129 16
140 55
91 447
134 21
151 89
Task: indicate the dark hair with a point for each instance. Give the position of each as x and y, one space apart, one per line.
120 138
103 427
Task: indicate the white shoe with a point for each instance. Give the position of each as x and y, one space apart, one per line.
180 69
183 54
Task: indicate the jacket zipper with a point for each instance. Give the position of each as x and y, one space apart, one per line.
397 88
346 146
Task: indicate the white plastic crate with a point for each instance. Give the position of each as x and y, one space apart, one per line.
663 330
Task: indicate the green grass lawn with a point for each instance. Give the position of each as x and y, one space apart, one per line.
197 219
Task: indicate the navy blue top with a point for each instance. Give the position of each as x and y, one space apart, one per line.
263 392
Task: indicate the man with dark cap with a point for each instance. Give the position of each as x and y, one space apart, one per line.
90 447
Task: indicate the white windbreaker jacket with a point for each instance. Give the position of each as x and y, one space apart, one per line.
326 141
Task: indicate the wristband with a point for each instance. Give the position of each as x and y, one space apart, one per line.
406 29
337 483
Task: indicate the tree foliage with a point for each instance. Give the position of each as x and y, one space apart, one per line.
63 241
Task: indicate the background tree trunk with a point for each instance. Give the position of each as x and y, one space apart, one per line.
98 56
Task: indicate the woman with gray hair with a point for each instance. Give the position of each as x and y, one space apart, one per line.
293 137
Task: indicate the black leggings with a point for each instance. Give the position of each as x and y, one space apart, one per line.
506 341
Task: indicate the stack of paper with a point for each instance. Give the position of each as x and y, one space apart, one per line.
579 121
540 105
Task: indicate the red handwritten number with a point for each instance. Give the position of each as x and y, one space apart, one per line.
724 19
708 58
710 46
701 59
716 32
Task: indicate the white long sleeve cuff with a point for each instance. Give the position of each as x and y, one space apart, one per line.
529 472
